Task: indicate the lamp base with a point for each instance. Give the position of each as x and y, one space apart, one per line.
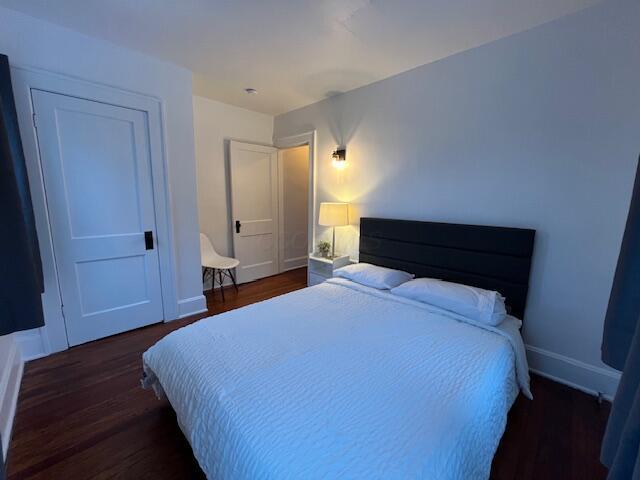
333 244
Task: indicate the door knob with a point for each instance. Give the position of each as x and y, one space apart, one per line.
238 225
148 240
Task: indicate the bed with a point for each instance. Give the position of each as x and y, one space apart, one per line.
341 380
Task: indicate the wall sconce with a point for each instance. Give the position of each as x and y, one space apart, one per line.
339 157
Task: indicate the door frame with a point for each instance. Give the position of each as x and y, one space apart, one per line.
53 336
309 139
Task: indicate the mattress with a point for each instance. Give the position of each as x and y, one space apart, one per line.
340 381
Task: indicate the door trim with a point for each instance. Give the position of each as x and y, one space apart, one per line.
306 138
26 79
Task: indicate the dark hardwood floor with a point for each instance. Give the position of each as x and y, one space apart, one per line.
82 414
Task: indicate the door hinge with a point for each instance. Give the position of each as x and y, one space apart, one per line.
62 311
35 124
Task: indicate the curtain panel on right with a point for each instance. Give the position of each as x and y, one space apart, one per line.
621 350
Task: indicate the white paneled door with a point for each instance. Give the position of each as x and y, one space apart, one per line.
254 206
97 172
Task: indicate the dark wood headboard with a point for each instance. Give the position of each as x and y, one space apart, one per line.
493 258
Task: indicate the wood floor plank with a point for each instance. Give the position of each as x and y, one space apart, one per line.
82 414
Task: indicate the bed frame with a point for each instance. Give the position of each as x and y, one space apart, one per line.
493 258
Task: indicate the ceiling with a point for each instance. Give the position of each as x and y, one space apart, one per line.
296 52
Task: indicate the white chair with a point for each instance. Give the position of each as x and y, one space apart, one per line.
214 262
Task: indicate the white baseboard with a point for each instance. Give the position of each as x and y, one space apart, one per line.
192 306
11 368
31 344
574 373
293 263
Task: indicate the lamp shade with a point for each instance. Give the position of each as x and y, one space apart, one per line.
334 214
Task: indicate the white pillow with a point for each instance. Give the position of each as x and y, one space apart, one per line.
373 276
475 303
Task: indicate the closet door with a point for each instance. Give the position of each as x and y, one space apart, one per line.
96 165
254 206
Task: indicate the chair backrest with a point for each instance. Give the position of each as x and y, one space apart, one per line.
207 252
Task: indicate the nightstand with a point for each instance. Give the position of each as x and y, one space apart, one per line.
321 268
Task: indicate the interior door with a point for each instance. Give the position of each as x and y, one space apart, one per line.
254 206
96 166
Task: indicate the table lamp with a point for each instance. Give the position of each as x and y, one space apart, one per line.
333 214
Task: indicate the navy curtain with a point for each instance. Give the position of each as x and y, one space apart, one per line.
621 350
21 282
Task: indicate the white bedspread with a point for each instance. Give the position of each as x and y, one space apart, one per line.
340 381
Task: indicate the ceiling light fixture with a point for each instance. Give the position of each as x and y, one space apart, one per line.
251 91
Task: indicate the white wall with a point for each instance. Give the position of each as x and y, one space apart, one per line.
216 123
34 43
538 130
293 167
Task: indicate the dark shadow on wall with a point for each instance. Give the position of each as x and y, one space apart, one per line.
331 84
343 122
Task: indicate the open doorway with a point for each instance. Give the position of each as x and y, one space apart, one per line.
293 202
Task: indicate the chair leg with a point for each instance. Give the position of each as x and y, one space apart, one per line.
221 287
213 283
205 270
233 279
